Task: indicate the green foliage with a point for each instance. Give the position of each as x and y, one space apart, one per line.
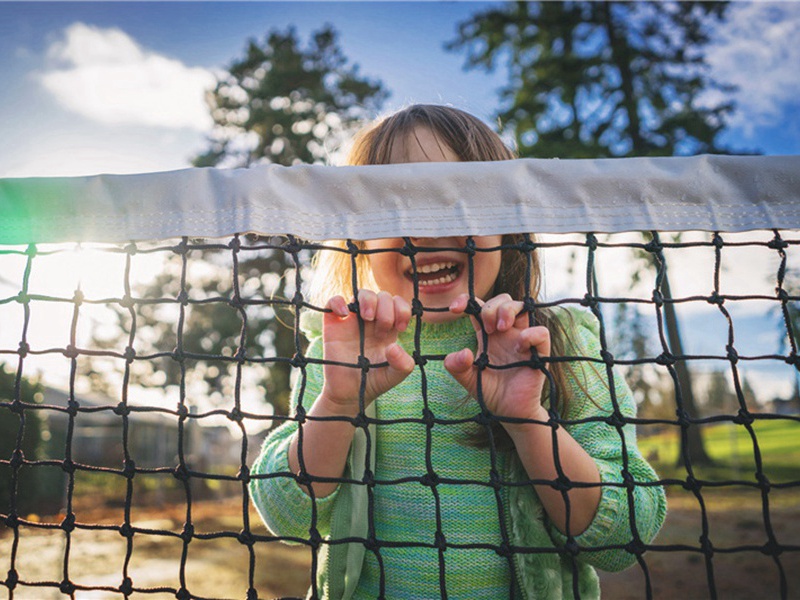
20 438
602 79
285 104
281 103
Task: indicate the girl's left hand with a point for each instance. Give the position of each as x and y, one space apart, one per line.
514 392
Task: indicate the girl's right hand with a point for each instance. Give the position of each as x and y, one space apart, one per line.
384 317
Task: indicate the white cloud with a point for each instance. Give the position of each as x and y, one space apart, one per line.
106 76
757 50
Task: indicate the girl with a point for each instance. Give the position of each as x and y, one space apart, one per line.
444 474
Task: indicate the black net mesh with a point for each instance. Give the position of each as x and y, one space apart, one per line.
139 381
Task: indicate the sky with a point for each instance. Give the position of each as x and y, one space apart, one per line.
112 87
119 87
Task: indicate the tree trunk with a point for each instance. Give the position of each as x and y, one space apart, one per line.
692 446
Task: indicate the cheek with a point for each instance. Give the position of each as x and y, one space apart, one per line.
486 270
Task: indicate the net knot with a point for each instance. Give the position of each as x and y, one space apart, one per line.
363 363
131 249
126 301
777 243
244 474
178 355
772 548
715 298
70 351
417 310
627 479
482 361
235 244
12 579
706 546
188 532
67 587
129 470
17 406
182 248
653 246
122 410
494 479
368 478
68 466
314 537
763 481
615 420
235 415
22 298
793 360
561 483
77 297
183 298
717 241
371 543
591 241
658 298
183 412
17 459
23 349
68 524
129 355
419 359
72 407
428 418
473 309
303 478
298 360
588 300
181 473
183 594
743 417
733 355
300 414
430 480
439 541
572 547
636 546
408 248
252 594
12 520
665 359
782 294
126 531
470 246
607 357
245 538
360 421
353 248
126 587
691 484
504 550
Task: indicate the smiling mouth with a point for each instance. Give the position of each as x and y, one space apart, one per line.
438 273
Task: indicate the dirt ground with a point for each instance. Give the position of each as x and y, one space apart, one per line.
219 568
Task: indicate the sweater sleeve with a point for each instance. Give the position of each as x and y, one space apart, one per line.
285 508
632 505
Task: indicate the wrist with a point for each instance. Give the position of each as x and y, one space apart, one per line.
532 422
328 406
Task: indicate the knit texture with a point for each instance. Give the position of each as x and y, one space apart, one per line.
462 509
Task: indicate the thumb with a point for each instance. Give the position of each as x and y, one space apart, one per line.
400 362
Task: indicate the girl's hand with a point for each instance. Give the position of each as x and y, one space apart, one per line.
514 392
384 317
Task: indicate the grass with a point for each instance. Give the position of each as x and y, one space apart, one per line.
733 450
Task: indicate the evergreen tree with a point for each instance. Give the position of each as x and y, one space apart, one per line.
602 79
281 103
607 79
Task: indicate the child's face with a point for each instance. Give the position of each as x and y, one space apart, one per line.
442 274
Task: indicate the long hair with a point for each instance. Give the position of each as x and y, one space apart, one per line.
471 140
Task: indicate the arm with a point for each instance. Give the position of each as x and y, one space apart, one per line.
516 393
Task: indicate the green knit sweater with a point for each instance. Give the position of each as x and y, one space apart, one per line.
455 533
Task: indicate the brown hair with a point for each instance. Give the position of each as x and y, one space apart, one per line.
471 140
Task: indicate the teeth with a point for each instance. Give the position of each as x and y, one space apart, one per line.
447 278
433 267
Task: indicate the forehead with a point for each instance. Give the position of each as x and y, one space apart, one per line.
421 145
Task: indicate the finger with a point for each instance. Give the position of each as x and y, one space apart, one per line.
367 301
402 313
460 366
400 362
338 307
489 311
537 338
507 315
459 304
384 312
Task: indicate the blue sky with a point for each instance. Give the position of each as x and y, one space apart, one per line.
154 59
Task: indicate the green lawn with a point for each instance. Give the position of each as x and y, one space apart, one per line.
732 448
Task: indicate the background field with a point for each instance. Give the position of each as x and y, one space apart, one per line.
735 518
